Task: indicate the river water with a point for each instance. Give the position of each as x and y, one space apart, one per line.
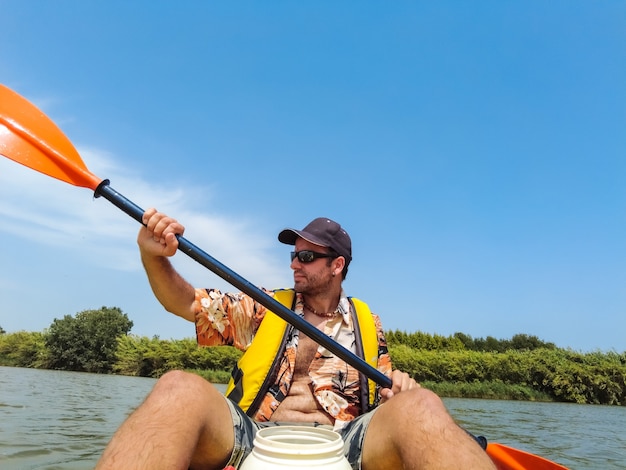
57 420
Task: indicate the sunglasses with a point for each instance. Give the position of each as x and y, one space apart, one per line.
308 256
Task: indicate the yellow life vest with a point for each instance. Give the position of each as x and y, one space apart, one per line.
252 375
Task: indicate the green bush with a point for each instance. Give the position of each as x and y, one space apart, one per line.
562 375
522 368
488 390
23 349
141 356
87 341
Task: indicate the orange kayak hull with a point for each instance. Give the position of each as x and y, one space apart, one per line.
508 458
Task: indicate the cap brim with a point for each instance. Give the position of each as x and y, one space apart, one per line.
289 237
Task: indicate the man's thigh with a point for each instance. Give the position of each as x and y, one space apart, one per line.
353 435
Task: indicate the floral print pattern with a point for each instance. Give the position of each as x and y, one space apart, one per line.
233 319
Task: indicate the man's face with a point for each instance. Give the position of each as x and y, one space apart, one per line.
314 277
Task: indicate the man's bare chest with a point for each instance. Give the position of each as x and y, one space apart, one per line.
304 355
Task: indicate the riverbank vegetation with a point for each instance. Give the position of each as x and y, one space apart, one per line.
521 368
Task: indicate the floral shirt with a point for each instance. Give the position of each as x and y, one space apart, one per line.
233 319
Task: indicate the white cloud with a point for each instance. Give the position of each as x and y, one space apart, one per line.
48 212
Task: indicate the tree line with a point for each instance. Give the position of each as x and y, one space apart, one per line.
461 341
523 367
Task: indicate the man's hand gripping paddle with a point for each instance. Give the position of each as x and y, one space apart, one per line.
29 137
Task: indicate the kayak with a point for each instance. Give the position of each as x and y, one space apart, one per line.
508 458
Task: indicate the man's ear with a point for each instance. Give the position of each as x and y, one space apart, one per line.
338 265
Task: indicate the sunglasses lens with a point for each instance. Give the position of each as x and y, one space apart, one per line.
306 256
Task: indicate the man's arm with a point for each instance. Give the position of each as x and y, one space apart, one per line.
157 242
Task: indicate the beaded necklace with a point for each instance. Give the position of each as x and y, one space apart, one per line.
319 314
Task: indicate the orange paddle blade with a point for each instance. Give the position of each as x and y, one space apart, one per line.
29 137
508 458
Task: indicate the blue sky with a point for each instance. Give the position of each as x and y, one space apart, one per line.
475 151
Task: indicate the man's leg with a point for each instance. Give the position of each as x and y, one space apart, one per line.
414 430
183 423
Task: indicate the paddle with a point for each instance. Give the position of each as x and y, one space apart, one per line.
29 137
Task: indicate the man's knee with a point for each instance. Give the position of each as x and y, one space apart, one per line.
416 402
419 396
415 426
178 382
175 378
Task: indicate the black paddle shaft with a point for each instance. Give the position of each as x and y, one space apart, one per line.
245 286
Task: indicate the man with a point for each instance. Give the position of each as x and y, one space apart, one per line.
186 422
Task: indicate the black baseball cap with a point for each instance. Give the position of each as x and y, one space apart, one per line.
322 232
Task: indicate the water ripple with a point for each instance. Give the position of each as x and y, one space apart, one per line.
53 420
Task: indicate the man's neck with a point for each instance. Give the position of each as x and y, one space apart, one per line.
321 305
